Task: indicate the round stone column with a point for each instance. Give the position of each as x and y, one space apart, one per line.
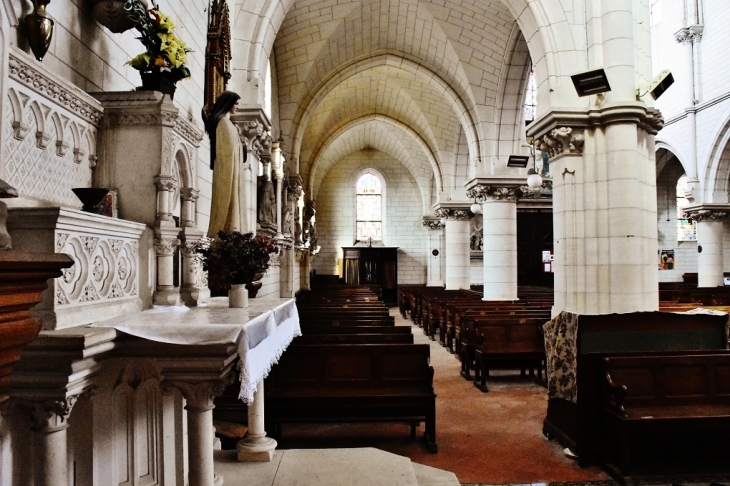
458 264
500 245
256 447
434 275
499 240
199 397
710 229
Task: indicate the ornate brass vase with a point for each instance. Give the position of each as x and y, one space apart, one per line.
39 29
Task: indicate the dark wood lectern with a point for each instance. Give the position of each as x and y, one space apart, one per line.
373 265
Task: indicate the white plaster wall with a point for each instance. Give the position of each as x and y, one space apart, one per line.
403 212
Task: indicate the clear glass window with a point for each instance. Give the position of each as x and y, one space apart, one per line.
686 227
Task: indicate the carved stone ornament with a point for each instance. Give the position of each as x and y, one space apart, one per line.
432 224
165 183
491 193
199 395
689 35
189 194
454 214
562 140
257 139
47 415
29 76
165 246
294 187
707 215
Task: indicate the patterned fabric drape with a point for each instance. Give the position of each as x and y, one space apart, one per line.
561 352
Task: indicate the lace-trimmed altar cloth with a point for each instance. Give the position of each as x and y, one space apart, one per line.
261 332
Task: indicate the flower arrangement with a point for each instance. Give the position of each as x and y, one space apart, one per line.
236 258
165 51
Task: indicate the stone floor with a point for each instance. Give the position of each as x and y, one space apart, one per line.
330 467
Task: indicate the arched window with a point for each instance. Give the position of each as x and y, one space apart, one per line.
530 98
369 207
686 227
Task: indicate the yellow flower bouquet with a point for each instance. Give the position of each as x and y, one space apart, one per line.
165 52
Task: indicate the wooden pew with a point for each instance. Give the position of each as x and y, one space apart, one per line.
578 422
357 330
495 332
663 397
353 383
355 338
508 345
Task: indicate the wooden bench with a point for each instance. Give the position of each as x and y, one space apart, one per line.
357 329
355 338
663 396
495 332
508 345
577 423
353 383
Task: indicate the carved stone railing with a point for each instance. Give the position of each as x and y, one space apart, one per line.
105 278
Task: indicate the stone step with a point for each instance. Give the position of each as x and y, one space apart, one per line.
330 467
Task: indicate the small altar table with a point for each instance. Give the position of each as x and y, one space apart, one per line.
260 332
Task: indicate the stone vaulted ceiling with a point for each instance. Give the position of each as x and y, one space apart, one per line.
405 77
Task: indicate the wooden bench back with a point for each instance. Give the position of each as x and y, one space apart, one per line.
338 366
365 328
355 338
671 379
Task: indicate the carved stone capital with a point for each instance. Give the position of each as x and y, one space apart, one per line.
689 35
47 415
165 246
562 140
432 224
494 193
454 214
189 194
165 183
199 395
707 215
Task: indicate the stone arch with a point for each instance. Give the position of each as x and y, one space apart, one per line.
667 147
715 178
509 112
466 116
335 136
430 151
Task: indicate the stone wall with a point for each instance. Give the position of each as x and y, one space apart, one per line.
402 218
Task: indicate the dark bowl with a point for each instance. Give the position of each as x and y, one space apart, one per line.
90 197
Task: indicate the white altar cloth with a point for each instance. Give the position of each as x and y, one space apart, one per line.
261 331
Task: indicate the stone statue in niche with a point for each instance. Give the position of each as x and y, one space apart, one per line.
476 233
266 201
309 212
286 225
297 227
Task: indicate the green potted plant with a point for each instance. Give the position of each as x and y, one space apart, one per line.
234 259
162 64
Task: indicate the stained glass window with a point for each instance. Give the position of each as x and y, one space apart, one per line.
686 227
531 98
369 208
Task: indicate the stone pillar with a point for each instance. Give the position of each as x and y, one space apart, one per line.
710 230
304 266
499 242
256 447
165 188
434 276
50 421
194 283
165 244
189 207
604 173
199 397
458 263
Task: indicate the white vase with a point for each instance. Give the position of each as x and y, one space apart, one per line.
238 296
